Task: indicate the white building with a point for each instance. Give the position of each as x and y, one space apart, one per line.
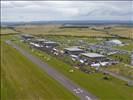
113 43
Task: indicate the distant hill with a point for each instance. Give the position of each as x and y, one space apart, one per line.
71 22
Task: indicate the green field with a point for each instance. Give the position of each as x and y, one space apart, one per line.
122 58
122 70
126 47
22 80
7 31
112 89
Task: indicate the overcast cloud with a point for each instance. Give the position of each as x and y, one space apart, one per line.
66 10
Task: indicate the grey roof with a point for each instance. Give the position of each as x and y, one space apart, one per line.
27 35
73 49
115 41
41 40
50 42
92 55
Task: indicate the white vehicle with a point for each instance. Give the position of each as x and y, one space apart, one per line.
78 90
88 98
75 90
95 65
81 61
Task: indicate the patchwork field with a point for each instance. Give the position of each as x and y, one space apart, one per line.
56 30
112 89
22 80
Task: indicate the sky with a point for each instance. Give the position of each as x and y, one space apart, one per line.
65 10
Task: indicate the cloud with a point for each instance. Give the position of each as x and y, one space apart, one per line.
66 10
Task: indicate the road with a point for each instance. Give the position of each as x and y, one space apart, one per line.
67 83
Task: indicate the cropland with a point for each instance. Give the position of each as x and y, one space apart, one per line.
56 30
122 31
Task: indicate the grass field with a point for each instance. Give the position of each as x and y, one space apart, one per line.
55 30
22 80
112 89
122 58
7 31
122 69
128 47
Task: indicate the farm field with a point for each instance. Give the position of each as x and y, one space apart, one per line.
122 31
22 80
113 88
56 30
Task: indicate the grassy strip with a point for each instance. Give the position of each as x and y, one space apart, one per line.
122 58
22 80
126 47
122 70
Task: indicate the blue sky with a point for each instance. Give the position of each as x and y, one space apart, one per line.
66 10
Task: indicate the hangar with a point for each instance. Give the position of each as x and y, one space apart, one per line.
26 37
94 59
73 51
113 43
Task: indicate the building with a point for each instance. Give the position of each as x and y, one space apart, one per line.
94 59
50 44
106 50
43 43
26 37
113 43
40 41
37 42
93 56
73 51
